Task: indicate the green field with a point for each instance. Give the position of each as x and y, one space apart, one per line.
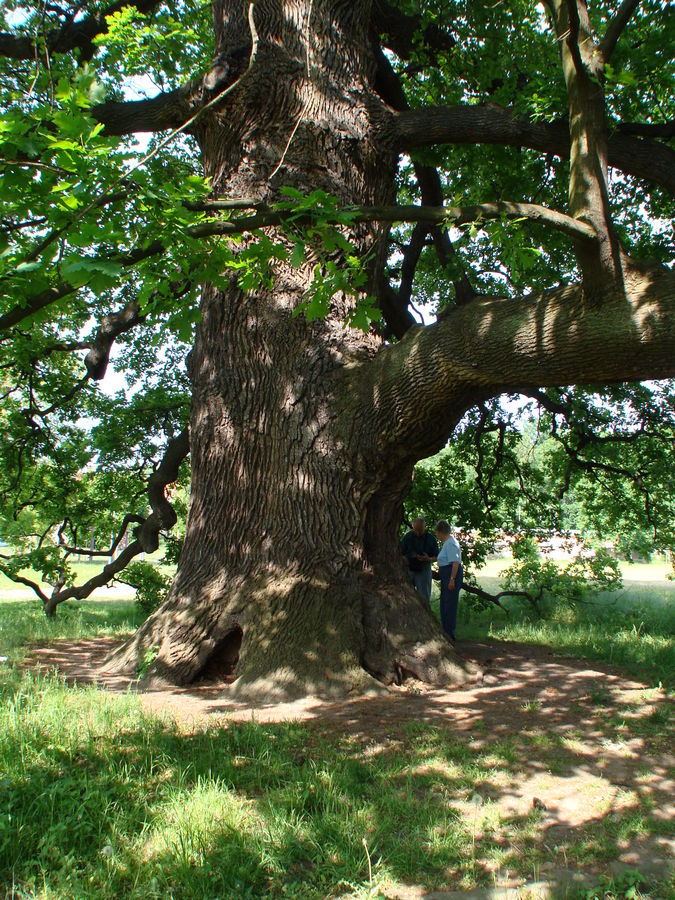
633 628
99 798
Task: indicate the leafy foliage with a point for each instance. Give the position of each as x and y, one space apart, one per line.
106 223
150 584
577 581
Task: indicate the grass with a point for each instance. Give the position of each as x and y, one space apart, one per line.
22 622
98 798
634 628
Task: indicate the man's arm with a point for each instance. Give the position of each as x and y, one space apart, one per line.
456 563
431 548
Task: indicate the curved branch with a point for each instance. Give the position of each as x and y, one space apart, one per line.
432 215
162 518
163 515
489 124
276 217
73 35
411 256
616 27
19 579
82 591
87 551
414 392
96 360
496 598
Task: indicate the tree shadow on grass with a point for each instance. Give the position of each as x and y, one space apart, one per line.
441 785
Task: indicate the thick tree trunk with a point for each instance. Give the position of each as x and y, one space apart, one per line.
290 580
303 435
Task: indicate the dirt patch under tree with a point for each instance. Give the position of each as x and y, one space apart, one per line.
588 743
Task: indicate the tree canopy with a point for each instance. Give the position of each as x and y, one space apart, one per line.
536 169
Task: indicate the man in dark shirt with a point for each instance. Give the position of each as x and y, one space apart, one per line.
420 549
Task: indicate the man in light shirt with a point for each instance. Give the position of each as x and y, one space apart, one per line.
452 574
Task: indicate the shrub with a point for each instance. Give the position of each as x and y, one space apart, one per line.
577 581
150 584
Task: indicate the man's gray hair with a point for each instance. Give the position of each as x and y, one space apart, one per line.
443 527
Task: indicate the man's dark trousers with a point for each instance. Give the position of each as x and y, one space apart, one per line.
450 598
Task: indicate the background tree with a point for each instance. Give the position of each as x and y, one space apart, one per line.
594 468
530 150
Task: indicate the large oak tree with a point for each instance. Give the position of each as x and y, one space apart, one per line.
529 150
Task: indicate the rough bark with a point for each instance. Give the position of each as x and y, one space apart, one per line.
493 345
304 435
290 562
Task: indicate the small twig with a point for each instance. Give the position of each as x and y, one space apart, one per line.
306 103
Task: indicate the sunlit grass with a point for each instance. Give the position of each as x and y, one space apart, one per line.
634 628
22 622
98 798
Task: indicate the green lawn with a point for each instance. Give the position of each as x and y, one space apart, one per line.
633 628
98 798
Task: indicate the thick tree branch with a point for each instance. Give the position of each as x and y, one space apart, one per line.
112 325
589 158
570 34
647 159
73 35
616 27
432 215
163 515
165 111
663 130
415 391
19 579
394 304
130 518
162 518
397 317
179 109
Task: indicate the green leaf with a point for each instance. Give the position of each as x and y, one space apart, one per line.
297 257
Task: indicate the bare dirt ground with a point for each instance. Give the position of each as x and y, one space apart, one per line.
589 743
